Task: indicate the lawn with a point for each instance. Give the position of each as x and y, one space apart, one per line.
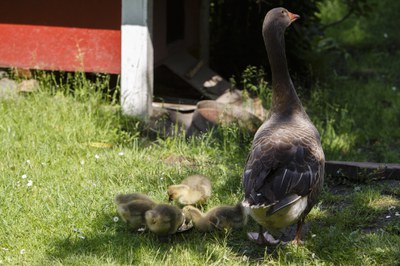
66 151
65 155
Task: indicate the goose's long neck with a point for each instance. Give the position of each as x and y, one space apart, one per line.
284 96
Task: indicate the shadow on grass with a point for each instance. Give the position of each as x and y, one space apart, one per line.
113 242
347 232
352 230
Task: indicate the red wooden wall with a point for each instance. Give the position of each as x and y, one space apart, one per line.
61 35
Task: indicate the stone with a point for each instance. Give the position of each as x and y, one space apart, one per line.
210 113
252 105
3 74
29 85
8 88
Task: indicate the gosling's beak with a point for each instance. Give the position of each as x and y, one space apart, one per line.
293 17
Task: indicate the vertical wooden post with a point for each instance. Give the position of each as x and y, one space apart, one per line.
136 58
205 31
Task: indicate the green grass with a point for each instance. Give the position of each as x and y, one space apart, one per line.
53 139
66 151
356 105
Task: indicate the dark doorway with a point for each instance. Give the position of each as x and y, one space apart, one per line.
175 20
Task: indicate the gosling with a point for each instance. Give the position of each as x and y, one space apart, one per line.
132 208
194 189
125 198
164 219
218 218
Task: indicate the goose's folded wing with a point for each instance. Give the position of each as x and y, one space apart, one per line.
275 170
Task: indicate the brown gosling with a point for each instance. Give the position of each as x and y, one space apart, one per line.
125 198
132 208
164 219
218 218
194 189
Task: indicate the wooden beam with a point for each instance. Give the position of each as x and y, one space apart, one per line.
136 58
362 171
204 31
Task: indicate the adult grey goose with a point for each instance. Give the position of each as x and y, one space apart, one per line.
284 171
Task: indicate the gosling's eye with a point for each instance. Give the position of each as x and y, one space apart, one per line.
283 11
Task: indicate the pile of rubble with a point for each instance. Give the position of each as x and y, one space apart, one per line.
232 107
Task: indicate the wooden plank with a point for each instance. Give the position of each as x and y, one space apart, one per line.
176 106
60 48
204 31
182 65
362 171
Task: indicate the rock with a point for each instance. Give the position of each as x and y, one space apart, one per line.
252 105
160 124
231 97
211 113
3 74
8 88
255 107
29 85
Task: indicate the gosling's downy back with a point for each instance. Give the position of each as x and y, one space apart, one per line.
193 189
164 219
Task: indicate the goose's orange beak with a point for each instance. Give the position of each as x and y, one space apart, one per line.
293 17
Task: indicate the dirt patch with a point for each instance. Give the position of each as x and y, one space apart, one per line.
173 159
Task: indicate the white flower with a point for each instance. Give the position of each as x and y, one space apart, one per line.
28 161
313 235
24 176
394 88
82 162
385 35
121 153
30 183
76 230
388 216
161 178
22 251
115 219
97 156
